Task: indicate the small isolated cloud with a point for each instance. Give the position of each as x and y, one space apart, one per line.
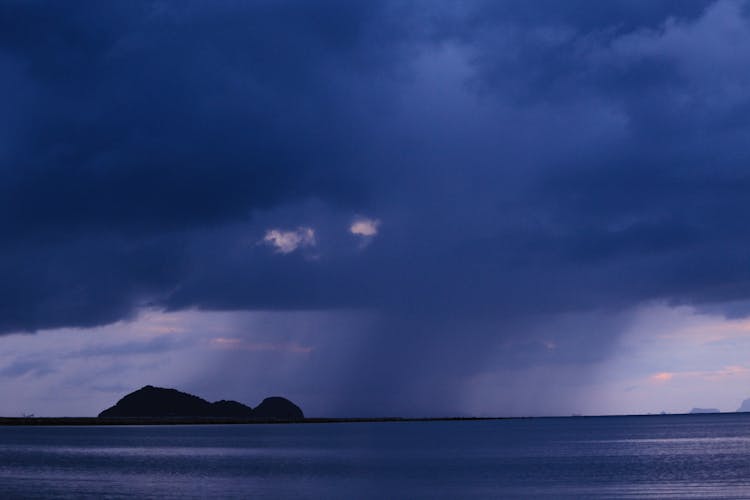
288 241
365 228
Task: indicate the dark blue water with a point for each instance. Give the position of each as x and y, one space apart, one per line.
700 456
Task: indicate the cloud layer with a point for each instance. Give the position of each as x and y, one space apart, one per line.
541 168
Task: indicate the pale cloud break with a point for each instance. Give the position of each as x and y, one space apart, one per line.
365 227
288 241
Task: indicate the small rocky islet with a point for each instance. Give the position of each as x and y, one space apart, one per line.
160 402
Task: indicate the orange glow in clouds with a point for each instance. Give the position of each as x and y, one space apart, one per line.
662 377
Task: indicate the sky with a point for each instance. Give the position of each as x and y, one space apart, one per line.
378 208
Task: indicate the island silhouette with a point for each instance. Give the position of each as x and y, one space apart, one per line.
704 410
160 402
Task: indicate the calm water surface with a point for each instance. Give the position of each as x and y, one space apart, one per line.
696 456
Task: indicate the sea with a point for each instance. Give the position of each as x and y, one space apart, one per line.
671 456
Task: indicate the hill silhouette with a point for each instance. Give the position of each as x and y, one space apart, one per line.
276 407
159 402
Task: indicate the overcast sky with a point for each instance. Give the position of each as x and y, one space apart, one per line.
376 208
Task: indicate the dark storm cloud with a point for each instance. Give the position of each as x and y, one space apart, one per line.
587 16
528 161
127 124
167 116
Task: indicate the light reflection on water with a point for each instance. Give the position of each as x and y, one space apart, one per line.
706 456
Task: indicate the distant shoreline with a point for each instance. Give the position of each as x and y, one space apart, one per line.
171 421
24 421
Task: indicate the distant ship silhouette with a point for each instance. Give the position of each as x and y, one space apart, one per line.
160 402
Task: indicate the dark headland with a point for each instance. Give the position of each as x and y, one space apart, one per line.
151 402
